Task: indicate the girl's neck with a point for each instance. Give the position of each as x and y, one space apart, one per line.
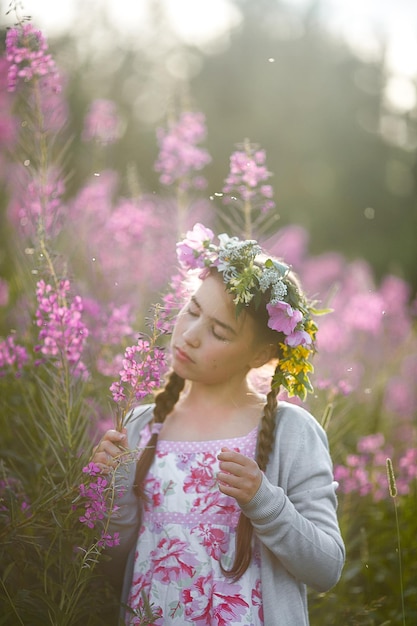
202 414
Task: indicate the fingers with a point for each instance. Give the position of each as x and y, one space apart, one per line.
108 452
239 475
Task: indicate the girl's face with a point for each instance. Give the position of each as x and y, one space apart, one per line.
210 344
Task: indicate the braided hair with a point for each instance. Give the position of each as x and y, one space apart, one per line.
166 400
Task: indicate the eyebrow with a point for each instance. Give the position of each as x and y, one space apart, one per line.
214 319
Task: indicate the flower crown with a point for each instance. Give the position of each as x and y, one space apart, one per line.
251 276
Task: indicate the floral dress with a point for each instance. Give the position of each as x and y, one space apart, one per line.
188 529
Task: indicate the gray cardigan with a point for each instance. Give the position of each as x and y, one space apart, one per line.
293 515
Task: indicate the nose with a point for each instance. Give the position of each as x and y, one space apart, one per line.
192 335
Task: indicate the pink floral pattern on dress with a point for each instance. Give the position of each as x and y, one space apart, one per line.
209 602
187 531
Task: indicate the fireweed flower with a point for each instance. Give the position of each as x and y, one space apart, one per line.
63 333
102 122
144 366
52 104
26 52
12 499
180 157
365 471
12 356
8 122
172 303
39 203
97 504
247 177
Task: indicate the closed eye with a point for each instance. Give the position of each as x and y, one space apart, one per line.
217 336
193 311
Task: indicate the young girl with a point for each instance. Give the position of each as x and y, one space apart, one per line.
230 511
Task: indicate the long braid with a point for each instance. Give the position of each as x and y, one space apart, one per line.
165 401
267 430
244 529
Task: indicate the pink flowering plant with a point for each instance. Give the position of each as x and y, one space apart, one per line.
247 191
28 57
181 158
102 122
53 514
81 268
143 368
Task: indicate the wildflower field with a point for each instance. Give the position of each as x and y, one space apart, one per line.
88 289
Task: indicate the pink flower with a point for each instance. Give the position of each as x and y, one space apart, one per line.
246 177
144 366
298 338
102 122
180 157
283 318
12 356
190 249
62 332
365 312
26 52
371 443
96 505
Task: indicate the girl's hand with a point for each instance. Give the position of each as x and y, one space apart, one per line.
107 454
239 476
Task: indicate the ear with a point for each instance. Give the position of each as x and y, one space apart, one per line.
266 353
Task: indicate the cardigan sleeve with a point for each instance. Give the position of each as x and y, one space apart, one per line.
294 511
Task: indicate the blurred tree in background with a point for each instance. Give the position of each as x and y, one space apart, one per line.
343 157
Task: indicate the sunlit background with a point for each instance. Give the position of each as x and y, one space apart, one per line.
367 25
327 87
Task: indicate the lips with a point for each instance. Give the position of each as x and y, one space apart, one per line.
182 356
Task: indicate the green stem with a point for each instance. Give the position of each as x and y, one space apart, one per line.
11 603
400 560
247 209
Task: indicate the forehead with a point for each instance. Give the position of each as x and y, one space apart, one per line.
217 303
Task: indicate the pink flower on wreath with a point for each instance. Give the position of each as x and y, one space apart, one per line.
298 338
190 250
283 318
